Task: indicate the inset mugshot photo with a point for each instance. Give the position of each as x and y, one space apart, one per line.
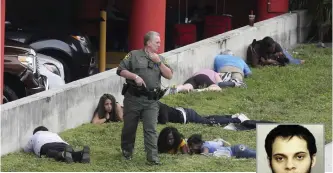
283 148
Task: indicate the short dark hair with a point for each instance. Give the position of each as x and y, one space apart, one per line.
289 131
195 139
40 128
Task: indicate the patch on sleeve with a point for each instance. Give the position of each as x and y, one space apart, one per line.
165 61
127 56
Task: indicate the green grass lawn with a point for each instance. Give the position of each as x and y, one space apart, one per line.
293 94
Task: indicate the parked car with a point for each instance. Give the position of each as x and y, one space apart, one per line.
48 66
71 48
52 69
21 74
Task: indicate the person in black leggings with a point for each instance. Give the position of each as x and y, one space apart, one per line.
204 80
186 115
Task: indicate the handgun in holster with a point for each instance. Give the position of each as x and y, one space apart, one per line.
125 88
161 92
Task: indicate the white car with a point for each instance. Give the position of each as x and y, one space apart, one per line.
52 69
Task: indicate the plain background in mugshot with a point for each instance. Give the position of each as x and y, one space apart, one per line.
262 131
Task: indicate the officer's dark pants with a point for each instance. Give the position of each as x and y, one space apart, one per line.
134 107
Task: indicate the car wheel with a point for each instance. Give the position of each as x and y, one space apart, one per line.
8 95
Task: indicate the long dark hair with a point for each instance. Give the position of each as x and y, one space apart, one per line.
162 142
100 110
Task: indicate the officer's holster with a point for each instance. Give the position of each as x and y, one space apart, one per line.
134 90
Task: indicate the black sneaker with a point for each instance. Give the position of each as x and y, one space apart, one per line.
67 154
127 155
153 163
85 155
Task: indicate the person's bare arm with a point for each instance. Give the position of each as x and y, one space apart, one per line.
184 149
205 150
29 147
120 112
164 67
269 61
166 71
97 120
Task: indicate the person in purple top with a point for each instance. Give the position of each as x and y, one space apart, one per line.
218 148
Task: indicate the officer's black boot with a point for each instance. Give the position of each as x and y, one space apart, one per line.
152 163
127 155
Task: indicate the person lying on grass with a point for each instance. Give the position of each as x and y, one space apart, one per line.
185 115
234 68
269 52
171 141
206 80
107 103
44 142
218 148
107 110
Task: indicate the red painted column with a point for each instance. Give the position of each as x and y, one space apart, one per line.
147 15
2 45
271 8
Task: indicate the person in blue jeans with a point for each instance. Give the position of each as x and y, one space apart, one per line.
227 62
217 148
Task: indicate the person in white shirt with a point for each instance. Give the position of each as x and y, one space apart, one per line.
44 142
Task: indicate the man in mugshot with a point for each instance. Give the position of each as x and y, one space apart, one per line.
291 148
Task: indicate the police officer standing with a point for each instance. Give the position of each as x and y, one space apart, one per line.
143 70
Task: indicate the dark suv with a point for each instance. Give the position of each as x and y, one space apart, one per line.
72 49
21 73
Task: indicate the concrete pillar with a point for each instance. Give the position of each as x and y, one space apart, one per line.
2 45
147 15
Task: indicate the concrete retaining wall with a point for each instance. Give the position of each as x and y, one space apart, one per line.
73 105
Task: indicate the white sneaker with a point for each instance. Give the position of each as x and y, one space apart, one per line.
235 115
222 153
226 77
238 83
230 126
243 117
173 90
